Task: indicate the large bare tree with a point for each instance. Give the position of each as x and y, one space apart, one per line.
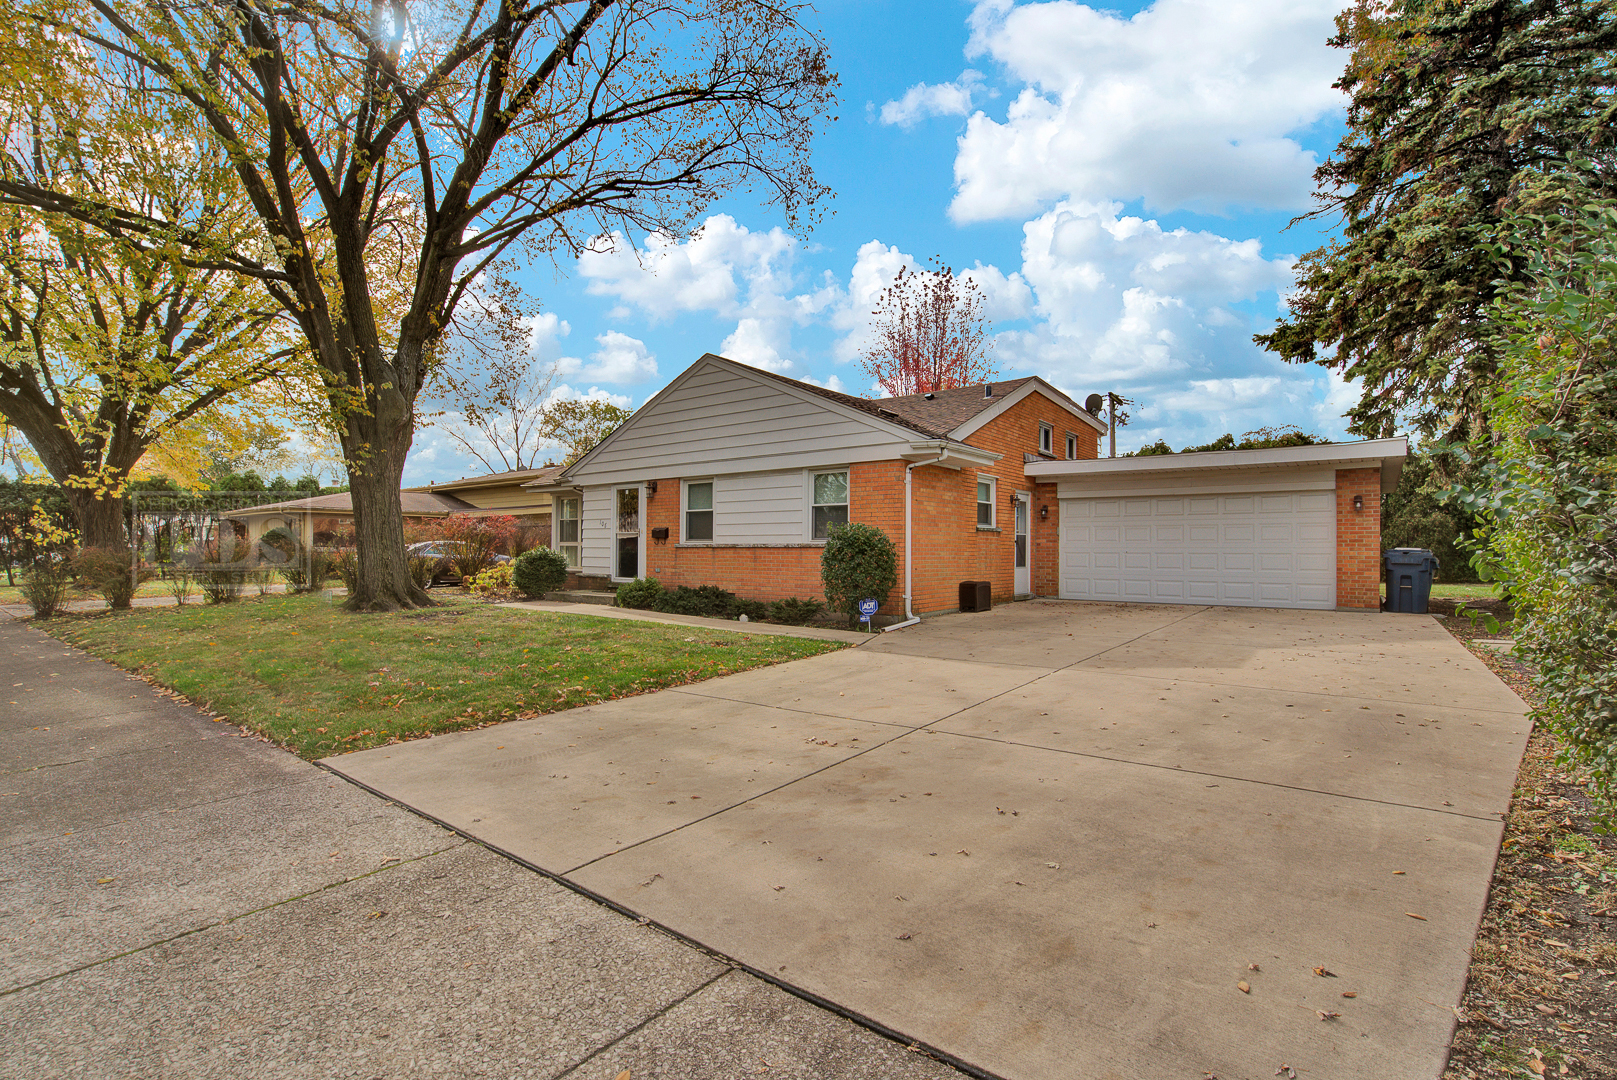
392 150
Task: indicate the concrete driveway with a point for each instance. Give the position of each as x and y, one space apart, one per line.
1050 840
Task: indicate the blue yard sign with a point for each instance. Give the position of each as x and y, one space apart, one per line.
867 608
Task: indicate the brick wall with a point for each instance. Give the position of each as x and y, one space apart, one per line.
956 550
1358 539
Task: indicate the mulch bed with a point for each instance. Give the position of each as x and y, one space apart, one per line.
1541 994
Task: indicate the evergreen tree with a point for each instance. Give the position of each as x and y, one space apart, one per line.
1461 113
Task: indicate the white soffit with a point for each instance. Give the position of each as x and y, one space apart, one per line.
1386 454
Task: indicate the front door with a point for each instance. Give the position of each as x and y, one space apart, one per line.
626 557
1024 575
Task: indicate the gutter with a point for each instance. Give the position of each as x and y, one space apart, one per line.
910 618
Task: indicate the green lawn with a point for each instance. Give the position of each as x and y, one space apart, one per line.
1484 591
320 681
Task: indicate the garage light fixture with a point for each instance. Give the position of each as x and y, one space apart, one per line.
1358 504
1044 513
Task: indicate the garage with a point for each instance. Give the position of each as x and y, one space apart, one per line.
1291 527
1276 549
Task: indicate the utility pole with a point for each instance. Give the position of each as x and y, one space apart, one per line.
1111 424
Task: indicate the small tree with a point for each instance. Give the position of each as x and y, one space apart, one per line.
859 563
474 541
928 333
579 423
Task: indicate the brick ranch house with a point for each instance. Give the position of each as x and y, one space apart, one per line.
732 476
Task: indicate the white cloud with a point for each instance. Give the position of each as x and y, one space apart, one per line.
1187 104
620 359
939 99
725 269
565 392
830 383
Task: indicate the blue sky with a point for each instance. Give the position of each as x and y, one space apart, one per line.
1117 180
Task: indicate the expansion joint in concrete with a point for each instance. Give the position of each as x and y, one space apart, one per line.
226 921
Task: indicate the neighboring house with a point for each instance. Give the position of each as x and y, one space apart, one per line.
502 493
318 518
733 476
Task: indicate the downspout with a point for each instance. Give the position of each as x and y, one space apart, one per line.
910 618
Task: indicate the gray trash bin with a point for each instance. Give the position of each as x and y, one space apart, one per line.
1409 579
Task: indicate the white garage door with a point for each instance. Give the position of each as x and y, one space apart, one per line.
1270 549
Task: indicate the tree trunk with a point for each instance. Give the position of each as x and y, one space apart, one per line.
375 449
101 520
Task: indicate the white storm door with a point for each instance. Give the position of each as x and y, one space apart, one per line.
629 552
1024 569
1253 549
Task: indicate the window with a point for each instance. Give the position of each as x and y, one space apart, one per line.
1072 447
1047 439
985 502
828 496
699 512
567 529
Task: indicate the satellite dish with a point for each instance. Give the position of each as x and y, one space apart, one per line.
1092 404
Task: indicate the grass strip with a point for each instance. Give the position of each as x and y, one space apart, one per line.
320 681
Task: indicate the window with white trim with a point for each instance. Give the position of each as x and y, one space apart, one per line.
986 487
567 530
1072 447
698 512
828 502
1047 439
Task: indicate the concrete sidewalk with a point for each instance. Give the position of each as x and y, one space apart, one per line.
1050 839
178 900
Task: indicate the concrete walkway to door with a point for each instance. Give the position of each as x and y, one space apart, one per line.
1048 840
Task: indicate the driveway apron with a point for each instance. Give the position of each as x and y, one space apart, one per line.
1048 840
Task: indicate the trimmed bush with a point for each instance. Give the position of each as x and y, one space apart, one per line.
795 612
859 562
539 571
641 593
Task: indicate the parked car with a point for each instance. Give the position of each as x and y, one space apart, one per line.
444 551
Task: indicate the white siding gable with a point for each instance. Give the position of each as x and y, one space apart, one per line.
715 420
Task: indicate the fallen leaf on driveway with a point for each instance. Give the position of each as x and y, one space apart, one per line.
1287 1071
1253 967
1323 973
1412 915
624 1075
904 937
1323 1015
105 880
1244 987
1350 993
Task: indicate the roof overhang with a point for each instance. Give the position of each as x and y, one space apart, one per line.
949 454
1386 454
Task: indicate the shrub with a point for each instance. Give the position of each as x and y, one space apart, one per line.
539 571
111 573
495 579
640 593
47 583
345 564
858 562
224 570
180 584
474 541
795 612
